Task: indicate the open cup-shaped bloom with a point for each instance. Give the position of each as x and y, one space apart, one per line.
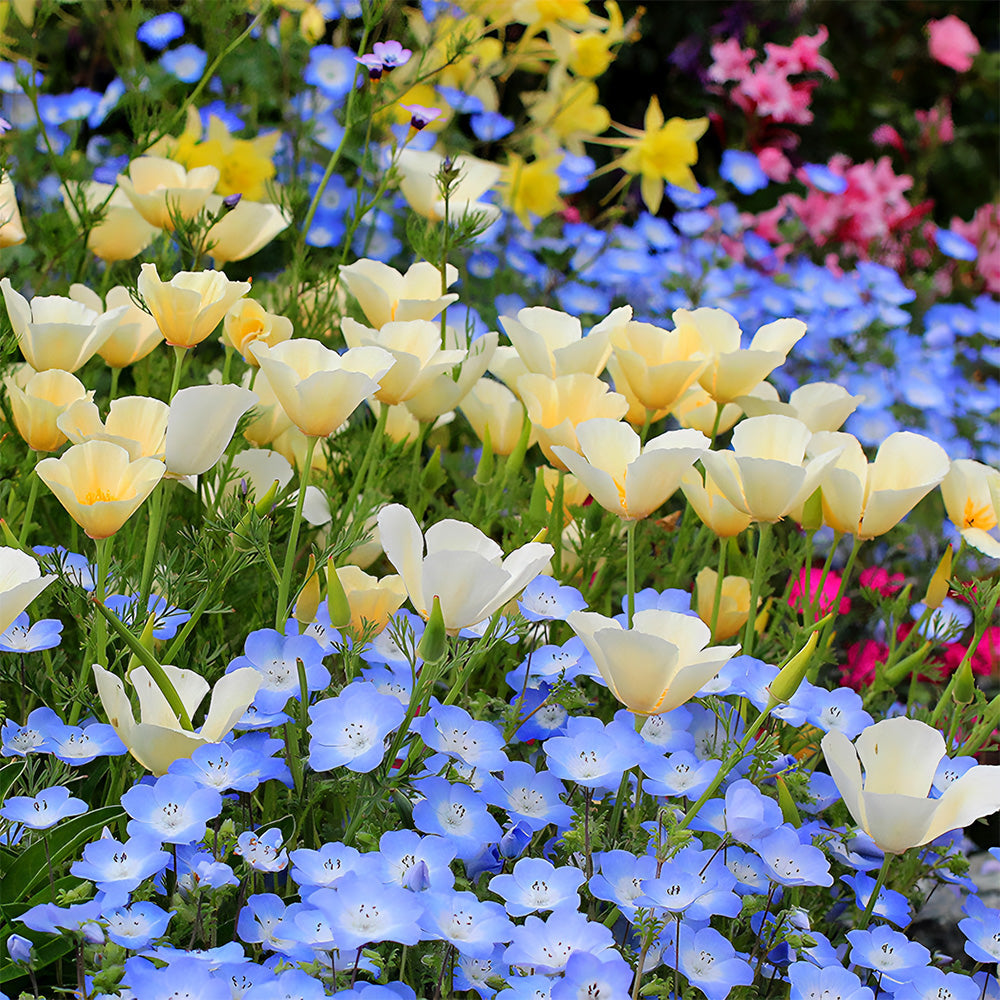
658 364
135 334
730 371
157 187
557 405
122 232
623 476
734 602
386 295
821 406
201 424
971 494
98 485
189 306
38 400
491 407
136 423
867 500
890 802
456 562
248 322
764 475
21 581
710 504
372 601
243 230
443 393
415 346
158 739
56 332
319 388
657 664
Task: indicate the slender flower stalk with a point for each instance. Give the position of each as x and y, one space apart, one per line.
763 554
281 613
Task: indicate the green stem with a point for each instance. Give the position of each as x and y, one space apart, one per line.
873 899
849 566
374 444
630 568
30 508
159 502
727 765
763 551
812 607
99 637
180 353
115 375
721 573
293 537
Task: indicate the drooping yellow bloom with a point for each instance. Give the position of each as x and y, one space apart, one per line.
663 151
531 188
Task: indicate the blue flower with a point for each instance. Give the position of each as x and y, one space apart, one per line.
743 171
932 984
238 766
955 246
545 599
263 851
361 913
75 567
833 981
350 730
590 755
679 775
332 71
547 945
619 879
451 730
19 948
174 808
890 905
790 862
118 867
158 32
536 885
401 851
457 812
530 797
137 925
536 719
187 63
145 979
474 928
888 952
488 126
461 100
574 173
710 962
33 737
276 657
982 930
23 637
824 179
43 810
588 975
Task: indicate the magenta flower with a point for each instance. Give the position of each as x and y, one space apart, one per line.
421 117
831 585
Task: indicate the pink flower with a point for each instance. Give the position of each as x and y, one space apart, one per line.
886 135
952 43
936 125
876 578
984 231
731 61
802 56
774 163
830 587
862 660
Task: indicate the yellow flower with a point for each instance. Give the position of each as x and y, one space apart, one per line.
734 602
371 600
971 493
37 399
98 485
248 322
531 188
662 151
569 111
539 13
11 228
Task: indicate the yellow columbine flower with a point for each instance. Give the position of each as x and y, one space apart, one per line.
662 151
570 112
531 188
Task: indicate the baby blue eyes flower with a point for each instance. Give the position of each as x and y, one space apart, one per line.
933 984
587 976
451 730
19 948
275 657
890 905
33 737
545 599
75 567
982 931
117 867
473 927
456 812
830 982
536 885
546 946
351 729
743 171
187 63
361 913
174 808
263 852
530 797
23 637
887 951
137 925
331 71
158 32
790 862
45 809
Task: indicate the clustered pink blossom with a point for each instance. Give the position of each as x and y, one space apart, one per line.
880 580
983 231
831 585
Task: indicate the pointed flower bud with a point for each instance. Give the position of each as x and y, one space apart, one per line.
308 600
792 674
937 589
433 643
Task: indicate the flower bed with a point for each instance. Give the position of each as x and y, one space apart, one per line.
368 628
